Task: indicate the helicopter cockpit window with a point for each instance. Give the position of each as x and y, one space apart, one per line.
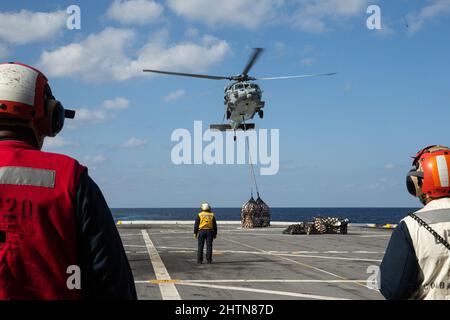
239 87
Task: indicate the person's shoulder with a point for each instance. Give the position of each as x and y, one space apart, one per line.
61 160
408 219
58 156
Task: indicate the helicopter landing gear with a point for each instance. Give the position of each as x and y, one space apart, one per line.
261 114
228 114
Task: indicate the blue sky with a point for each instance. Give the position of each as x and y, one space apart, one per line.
344 140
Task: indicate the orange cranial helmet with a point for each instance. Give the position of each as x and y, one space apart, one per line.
27 100
431 173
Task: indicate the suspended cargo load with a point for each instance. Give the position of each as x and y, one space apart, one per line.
249 209
255 214
264 212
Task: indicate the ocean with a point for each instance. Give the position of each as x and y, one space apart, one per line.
355 215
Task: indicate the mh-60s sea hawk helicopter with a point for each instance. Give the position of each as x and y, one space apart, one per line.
242 98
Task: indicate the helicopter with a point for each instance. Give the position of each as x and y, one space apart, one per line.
243 97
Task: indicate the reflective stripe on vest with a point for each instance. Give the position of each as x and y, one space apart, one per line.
432 256
22 176
206 220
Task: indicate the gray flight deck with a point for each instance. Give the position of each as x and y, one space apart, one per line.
256 264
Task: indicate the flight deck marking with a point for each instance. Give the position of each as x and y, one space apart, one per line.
256 281
168 290
274 281
300 263
276 252
375 235
296 262
273 292
162 281
300 254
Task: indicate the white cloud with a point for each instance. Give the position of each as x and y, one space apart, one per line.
107 111
134 143
249 14
176 95
385 31
307 61
95 160
102 57
389 166
135 11
116 104
316 15
26 26
58 142
416 21
92 116
99 56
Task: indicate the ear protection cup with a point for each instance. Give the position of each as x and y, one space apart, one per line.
56 116
414 182
53 121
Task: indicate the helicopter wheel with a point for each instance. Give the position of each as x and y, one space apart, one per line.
261 114
228 115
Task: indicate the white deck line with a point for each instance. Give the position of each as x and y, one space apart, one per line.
191 222
273 292
258 281
168 290
287 259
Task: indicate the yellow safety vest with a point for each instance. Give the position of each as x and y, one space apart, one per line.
206 220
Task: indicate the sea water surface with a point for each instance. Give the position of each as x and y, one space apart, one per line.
356 215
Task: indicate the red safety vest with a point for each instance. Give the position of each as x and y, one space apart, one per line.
37 223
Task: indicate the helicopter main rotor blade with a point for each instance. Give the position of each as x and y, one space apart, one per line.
299 76
256 53
193 75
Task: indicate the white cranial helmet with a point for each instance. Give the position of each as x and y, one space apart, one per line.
205 206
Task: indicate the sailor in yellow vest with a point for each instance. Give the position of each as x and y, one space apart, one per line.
205 229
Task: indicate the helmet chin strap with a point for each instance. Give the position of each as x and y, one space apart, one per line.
423 199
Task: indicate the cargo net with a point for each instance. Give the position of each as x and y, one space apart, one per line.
255 214
320 225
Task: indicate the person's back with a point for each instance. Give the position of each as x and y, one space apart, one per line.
416 264
433 258
37 220
205 229
57 236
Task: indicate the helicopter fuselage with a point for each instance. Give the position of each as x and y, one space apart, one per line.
242 101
